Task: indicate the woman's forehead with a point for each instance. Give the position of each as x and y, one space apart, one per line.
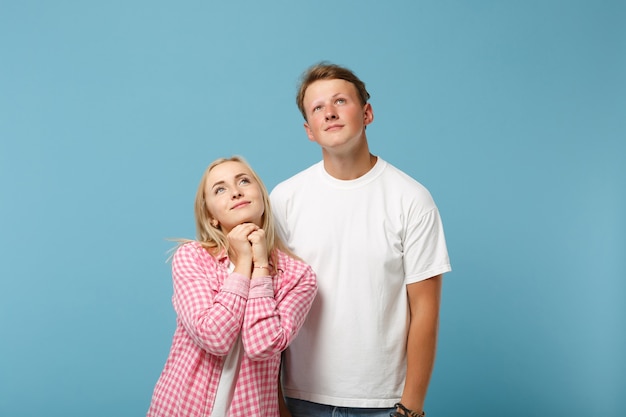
227 171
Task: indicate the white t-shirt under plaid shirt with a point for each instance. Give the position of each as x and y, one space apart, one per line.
213 308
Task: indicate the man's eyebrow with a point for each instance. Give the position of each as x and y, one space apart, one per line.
322 100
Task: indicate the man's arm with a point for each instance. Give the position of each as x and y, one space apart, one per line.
282 406
424 302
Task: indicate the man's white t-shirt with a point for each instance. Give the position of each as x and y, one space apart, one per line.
366 239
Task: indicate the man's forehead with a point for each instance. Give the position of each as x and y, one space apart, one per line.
328 88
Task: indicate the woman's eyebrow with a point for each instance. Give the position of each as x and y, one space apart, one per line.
220 182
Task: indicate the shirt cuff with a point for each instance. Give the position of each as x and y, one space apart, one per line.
261 287
237 284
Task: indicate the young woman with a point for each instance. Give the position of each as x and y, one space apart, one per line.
240 299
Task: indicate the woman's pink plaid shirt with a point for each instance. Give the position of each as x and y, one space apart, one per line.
213 307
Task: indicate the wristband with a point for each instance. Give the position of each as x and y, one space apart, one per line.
407 412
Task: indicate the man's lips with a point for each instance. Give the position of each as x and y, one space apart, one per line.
333 127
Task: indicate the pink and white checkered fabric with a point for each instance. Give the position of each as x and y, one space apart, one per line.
213 307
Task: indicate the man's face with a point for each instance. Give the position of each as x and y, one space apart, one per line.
335 116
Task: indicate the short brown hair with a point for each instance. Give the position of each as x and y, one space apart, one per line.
328 71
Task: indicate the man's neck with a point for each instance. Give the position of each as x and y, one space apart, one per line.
349 167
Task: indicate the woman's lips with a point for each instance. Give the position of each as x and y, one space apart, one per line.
241 204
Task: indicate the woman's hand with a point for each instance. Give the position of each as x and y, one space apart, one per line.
241 248
259 247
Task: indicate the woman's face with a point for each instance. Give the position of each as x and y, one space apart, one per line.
232 196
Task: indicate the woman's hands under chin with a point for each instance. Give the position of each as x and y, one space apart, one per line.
248 250
259 248
240 248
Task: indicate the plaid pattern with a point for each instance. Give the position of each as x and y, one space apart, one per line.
213 307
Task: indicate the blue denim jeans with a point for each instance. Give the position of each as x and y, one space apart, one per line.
300 408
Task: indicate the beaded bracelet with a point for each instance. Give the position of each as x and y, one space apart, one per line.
407 412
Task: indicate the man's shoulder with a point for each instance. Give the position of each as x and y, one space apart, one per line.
400 177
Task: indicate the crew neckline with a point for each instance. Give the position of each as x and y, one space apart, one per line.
369 176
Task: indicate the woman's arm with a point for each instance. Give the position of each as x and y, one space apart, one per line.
274 317
211 316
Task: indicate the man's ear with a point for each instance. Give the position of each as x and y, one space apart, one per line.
368 114
309 132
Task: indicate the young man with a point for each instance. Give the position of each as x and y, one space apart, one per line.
375 239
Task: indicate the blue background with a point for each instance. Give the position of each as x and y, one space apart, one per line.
512 113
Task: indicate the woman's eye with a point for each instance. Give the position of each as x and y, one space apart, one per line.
219 190
244 181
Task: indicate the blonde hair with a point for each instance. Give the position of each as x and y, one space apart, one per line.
213 238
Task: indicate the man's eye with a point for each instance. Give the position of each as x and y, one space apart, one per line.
317 108
341 101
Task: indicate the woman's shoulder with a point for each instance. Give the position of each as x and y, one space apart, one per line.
192 250
187 246
286 262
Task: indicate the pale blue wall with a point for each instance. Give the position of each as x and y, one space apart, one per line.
512 113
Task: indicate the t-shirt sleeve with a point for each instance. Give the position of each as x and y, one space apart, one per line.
425 250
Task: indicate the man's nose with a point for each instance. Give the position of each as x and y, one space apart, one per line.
331 114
